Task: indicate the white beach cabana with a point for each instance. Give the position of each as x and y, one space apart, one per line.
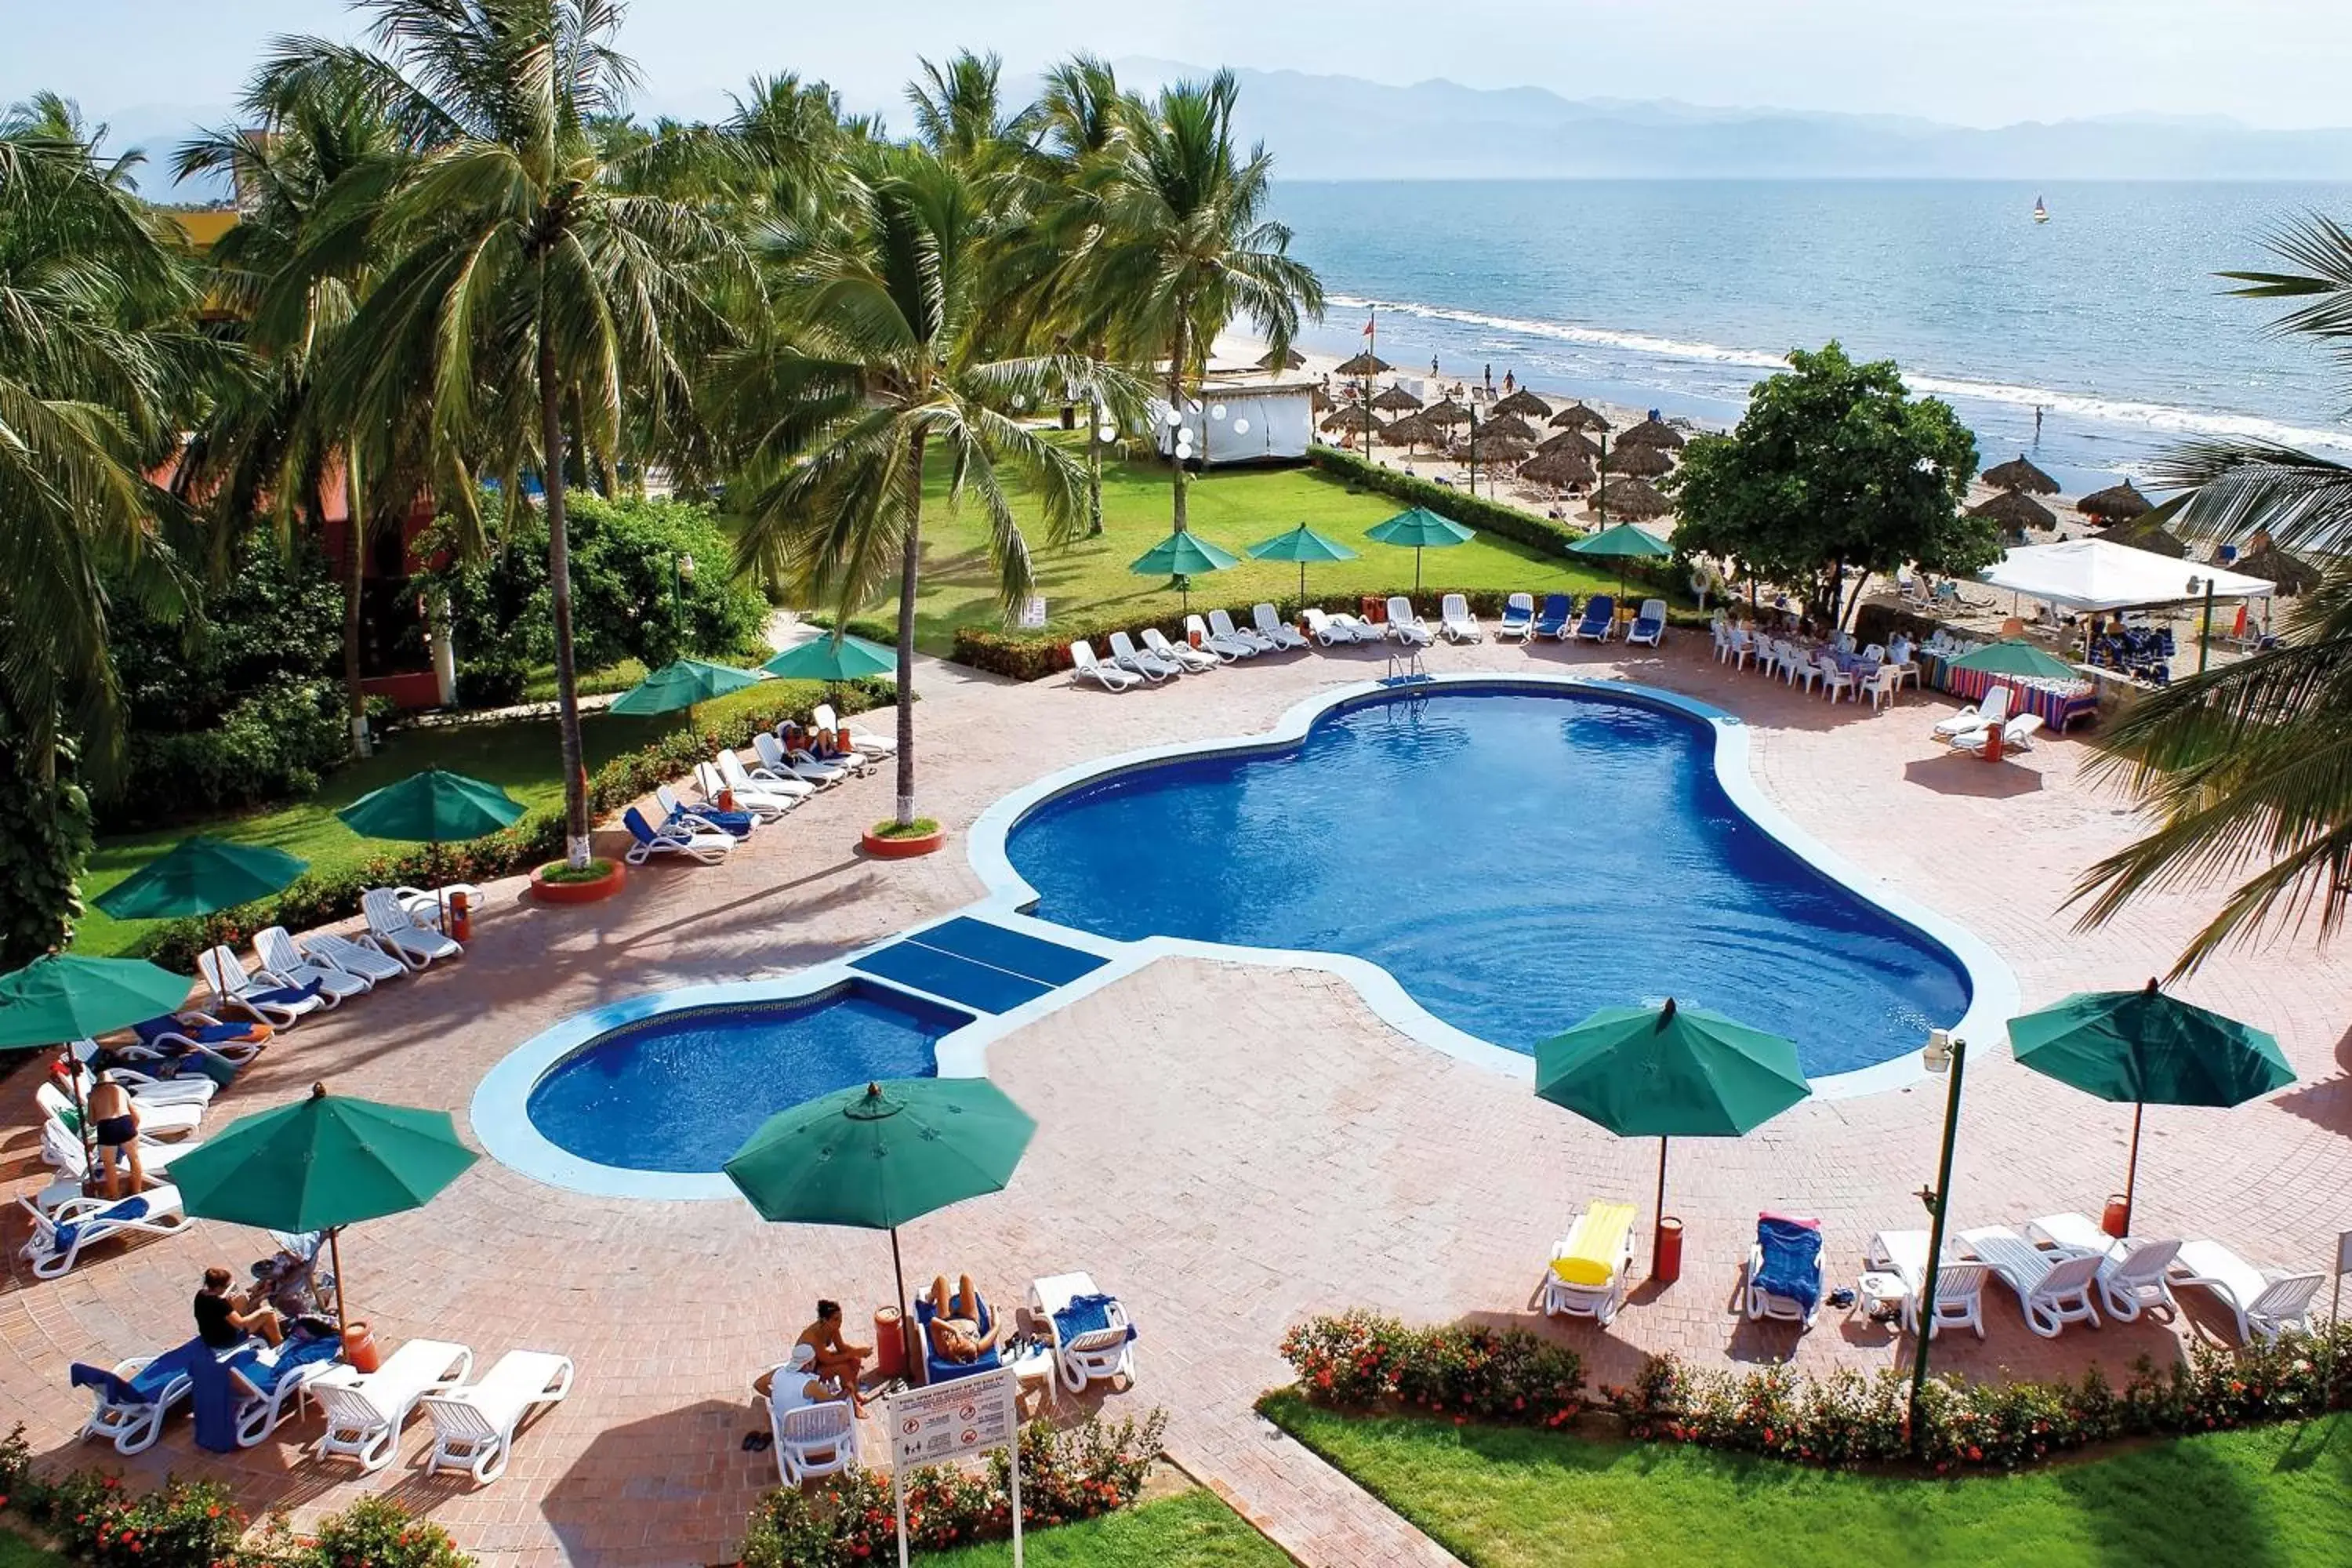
2096 575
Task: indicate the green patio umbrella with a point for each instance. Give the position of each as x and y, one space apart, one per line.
682 683
879 1156
1180 555
60 998
1670 1071
834 658
199 876
432 808
321 1163
2010 656
1301 544
1423 529
2150 1049
1622 543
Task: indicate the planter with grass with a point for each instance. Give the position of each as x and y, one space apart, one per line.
557 883
890 840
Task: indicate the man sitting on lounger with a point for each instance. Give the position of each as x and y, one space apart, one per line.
955 1322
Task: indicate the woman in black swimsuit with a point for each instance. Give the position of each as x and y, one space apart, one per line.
115 1122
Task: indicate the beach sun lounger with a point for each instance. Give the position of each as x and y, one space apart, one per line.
1184 656
158 1121
282 964
131 1403
273 1383
61 1234
1518 617
331 949
1331 630
1976 716
673 837
1558 617
2053 1289
2265 1301
704 814
1151 666
1589 1266
1091 1335
1960 1287
1220 623
1406 623
395 930
2131 1272
366 1410
474 1425
824 717
775 760
2016 735
277 1006
738 774
1650 625
1784 1269
1456 621
764 800
1084 666
1230 649
1599 620
1273 628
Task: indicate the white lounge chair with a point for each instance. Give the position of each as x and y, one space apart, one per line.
1184 656
147 1091
1232 650
1221 624
785 764
366 1410
1328 629
2016 735
873 745
160 1121
1084 666
425 906
1108 1351
765 805
1650 625
1455 621
674 838
1763 1302
474 1425
1406 623
331 949
131 1403
2053 1289
2131 1272
1151 666
63 1151
764 786
813 1438
272 1387
275 1005
61 1234
2265 1301
1960 1287
1598 1252
1281 633
395 930
282 965
1977 715
1518 620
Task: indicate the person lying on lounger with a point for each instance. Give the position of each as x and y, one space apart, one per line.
955 1321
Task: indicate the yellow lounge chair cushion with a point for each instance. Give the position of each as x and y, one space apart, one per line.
1596 1247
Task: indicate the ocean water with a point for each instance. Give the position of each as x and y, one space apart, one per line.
1679 295
1515 860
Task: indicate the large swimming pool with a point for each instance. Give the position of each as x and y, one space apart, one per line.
681 1090
1514 858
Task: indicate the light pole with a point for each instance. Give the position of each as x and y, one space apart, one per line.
2205 632
1946 1053
681 573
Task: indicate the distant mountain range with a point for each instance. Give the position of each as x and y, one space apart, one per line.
1342 128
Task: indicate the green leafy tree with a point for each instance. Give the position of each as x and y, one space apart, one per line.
873 364
540 305
2248 768
1834 469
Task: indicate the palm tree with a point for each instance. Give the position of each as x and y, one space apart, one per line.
960 113
875 361
1183 244
2248 768
101 368
524 275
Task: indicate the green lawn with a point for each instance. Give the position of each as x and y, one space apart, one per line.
1089 577
1502 1497
1191 1530
15 1552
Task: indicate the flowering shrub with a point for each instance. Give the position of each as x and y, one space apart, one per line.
196 1524
1066 1474
1360 1361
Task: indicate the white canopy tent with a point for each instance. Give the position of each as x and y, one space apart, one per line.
2095 574
1244 422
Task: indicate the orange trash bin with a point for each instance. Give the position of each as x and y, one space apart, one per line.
889 1341
1666 1251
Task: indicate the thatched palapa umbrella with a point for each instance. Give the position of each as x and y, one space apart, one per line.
1351 419
1366 363
1317 399
1558 468
2015 511
1288 359
2152 538
1575 441
2267 561
1577 416
2117 503
1411 431
1494 451
1396 400
1633 498
1445 414
1523 402
1638 462
1507 425
2021 475
1653 433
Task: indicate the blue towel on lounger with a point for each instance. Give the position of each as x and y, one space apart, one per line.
1086 1315
144 1387
1792 1261
127 1209
284 995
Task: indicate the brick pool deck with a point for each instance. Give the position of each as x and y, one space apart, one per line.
1228 1147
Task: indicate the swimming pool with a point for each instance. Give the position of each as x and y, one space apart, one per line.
1514 855
680 1090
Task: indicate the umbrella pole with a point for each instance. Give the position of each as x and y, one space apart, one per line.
1658 1221
2131 1167
81 1116
906 1341
335 1256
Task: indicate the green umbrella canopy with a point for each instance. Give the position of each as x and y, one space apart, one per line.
436 807
1670 1071
2010 656
843 657
880 1155
1623 543
323 1162
1422 529
1301 543
62 997
1182 556
682 683
199 876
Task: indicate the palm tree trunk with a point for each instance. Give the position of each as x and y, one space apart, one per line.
1094 482
559 581
909 564
1176 401
354 585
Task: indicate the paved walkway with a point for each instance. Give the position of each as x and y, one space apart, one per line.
1228 1147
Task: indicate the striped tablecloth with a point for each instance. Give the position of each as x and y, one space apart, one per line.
2061 709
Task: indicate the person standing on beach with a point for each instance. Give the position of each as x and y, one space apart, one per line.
2037 423
1506 383
1433 367
1490 380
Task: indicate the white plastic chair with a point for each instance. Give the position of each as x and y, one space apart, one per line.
1084 666
1884 682
392 930
1105 1352
474 1425
1833 679
1273 629
2265 1301
366 1410
1456 621
813 1440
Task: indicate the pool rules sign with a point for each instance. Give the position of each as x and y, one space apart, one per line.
952 1421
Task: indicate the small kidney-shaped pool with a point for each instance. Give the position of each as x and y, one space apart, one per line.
1515 859
681 1090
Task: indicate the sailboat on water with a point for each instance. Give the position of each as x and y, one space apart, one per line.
2041 213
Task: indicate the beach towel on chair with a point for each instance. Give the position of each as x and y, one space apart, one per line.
1086 1315
141 1387
1792 1261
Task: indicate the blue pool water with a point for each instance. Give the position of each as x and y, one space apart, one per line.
682 1091
1515 859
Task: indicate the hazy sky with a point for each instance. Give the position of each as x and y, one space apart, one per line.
1980 62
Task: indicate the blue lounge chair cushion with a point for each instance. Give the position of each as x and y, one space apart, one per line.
295 1355
1599 611
155 1031
1792 1261
1648 626
1557 609
144 1387
1513 615
738 823
1086 1315
639 828
284 995
128 1208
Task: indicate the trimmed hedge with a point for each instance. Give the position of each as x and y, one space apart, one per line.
537 837
1361 1360
1513 522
